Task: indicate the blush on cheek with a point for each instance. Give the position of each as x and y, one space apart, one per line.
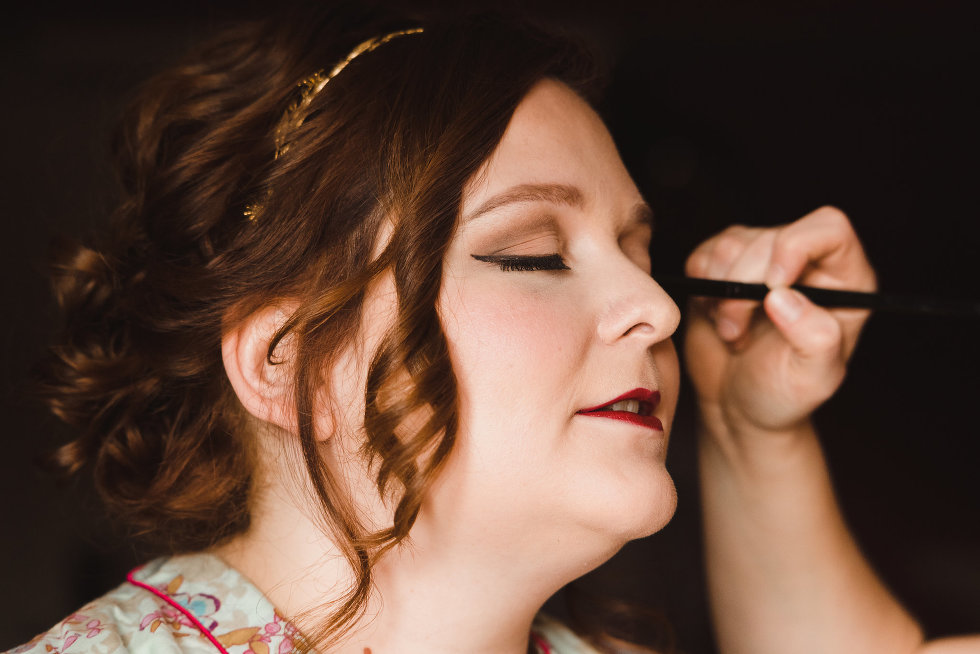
511 366
521 331
512 356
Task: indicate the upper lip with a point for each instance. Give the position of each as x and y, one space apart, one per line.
641 394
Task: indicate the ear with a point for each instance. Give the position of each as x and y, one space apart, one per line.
265 389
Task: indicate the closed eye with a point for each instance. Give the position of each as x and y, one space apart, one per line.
513 262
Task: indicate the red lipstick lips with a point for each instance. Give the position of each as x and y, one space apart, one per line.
635 407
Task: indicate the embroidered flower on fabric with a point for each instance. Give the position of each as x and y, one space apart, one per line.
200 605
259 639
75 626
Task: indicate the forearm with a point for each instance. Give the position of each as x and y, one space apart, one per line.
784 572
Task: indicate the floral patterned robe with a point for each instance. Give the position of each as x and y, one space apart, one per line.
197 604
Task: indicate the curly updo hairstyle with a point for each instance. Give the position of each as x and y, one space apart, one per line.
395 136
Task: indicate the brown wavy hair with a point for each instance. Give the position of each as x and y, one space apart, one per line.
395 136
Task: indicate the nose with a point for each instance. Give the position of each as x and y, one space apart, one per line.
636 308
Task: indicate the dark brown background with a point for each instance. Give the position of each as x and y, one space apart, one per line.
752 113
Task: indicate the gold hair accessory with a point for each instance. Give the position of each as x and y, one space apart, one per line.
294 116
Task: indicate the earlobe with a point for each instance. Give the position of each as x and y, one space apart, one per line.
264 388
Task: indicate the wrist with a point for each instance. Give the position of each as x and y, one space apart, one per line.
725 423
740 442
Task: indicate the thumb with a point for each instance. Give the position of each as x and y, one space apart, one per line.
812 333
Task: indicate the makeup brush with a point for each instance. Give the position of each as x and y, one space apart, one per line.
677 285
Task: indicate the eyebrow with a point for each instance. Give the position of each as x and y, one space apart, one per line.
553 193
562 194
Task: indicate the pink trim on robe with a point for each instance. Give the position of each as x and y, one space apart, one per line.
169 600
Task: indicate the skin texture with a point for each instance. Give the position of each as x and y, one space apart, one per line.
784 572
533 495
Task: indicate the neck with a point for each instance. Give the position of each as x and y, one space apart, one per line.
425 599
433 594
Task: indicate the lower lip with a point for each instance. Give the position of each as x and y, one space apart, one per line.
652 422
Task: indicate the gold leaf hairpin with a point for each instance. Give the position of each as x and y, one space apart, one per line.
296 114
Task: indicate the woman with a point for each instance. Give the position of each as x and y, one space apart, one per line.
387 349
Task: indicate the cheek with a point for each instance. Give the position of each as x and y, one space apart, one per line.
512 353
513 334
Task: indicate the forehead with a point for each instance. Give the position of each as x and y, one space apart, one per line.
554 138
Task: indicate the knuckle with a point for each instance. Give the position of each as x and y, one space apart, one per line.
728 247
825 337
833 216
788 243
697 263
737 230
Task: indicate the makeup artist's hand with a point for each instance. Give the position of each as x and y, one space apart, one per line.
768 367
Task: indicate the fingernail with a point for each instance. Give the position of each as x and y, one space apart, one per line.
776 276
787 303
728 330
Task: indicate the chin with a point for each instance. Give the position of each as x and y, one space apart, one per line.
659 514
637 513
649 517
612 530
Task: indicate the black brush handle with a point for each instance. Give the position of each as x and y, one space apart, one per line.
825 297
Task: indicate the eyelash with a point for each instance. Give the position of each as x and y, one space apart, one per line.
511 262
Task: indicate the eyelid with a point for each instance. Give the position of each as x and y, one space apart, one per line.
638 239
642 231
524 263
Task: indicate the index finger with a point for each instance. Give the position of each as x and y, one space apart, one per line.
826 240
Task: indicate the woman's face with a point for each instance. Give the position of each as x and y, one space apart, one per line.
534 342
